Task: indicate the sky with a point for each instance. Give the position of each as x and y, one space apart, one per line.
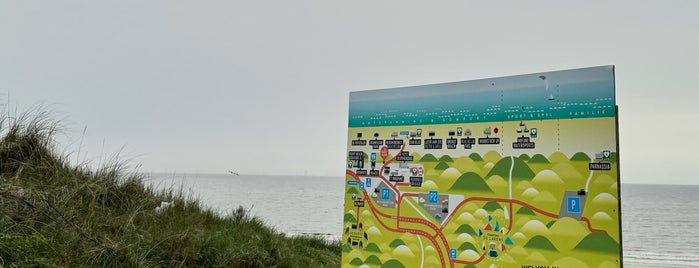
262 87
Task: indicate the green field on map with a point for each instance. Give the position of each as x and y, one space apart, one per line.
518 171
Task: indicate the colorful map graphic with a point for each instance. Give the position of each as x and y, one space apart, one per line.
518 171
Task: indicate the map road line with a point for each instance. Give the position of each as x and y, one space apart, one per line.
422 251
415 220
589 178
512 167
417 210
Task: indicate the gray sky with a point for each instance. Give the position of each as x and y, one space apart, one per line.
263 87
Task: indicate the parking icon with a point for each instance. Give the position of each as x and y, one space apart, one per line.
573 204
385 194
433 196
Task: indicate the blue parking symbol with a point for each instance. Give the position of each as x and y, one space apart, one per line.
368 182
385 194
452 253
573 204
373 156
433 196
361 186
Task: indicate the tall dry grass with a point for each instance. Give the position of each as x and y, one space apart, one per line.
54 214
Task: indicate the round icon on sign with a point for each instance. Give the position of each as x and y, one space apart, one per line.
384 152
533 131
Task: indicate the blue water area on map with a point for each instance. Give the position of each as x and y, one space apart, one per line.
478 101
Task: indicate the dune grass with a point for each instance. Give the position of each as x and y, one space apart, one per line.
54 214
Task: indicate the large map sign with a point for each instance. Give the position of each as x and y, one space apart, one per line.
518 171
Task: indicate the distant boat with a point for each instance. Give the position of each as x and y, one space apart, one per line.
551 97
233 173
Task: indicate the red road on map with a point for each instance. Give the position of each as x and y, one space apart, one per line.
438 230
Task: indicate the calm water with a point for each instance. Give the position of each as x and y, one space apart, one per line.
291 204
660 222
660 225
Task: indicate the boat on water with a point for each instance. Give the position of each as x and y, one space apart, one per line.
234 173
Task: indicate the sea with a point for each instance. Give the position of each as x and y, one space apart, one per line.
660 223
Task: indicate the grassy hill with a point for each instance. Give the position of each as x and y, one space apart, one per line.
53 214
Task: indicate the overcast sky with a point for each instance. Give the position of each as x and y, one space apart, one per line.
262 87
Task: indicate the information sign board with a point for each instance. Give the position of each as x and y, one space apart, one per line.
518 171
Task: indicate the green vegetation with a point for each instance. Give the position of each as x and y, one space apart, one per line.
525 211
356 261
521 170
353 190
467 246
428 158
392 263
465 228
491 206
441 166
540 242
470 181
349 218
53 214
446 158
373 260
396 242
373 248
580 156
538 158
475 157
599 242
